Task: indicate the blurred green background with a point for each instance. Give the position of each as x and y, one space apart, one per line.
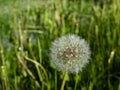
27 28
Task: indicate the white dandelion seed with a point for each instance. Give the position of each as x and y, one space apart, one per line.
70 53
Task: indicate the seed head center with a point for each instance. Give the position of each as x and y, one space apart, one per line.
69 53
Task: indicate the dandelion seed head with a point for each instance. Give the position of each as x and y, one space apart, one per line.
70 53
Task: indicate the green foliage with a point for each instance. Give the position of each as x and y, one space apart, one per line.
27 28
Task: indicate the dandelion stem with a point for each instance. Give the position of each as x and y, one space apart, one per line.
76 81
63 82
55 80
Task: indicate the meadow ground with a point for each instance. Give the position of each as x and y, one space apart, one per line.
28 27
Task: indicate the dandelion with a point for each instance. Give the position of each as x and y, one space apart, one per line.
70 53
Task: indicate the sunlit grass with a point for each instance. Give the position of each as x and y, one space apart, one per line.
27 29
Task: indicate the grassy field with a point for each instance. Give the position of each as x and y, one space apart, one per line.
28 27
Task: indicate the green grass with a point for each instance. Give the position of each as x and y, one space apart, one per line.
27 29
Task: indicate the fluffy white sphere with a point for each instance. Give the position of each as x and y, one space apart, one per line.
70 53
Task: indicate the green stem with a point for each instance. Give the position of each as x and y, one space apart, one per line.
39 64
55 80
63 82
76 81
